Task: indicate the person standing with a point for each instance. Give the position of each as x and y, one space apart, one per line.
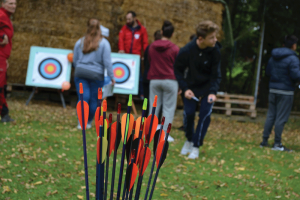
146 83
91 57
6 34
283 69
162 54
197 69
133 39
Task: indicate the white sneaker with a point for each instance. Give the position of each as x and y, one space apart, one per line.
170 139
88 126
187 147
194 154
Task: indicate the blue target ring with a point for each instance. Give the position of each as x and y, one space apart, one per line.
50 68
121 72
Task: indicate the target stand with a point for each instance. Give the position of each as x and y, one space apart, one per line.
34 91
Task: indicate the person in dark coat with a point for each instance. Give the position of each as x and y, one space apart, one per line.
197 69
283 69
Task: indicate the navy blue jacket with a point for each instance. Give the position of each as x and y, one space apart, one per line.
284 69
198 69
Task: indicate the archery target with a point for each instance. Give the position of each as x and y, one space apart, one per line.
124 72
50 68
121 72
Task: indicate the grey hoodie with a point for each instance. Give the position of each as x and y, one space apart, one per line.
92 65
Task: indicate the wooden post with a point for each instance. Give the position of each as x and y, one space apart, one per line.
228 106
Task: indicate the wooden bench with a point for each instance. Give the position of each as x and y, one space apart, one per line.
245 104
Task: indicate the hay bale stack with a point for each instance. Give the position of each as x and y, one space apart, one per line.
60 23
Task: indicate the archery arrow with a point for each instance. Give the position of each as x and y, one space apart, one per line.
161 154
116 133
158 138
124 145
150 128
82 114
107 155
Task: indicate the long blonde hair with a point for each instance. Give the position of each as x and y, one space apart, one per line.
92 36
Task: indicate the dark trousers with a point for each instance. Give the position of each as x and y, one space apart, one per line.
280 107
204 120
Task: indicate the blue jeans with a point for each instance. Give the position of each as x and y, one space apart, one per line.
203 122
90 93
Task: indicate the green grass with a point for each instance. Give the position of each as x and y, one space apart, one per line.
42 158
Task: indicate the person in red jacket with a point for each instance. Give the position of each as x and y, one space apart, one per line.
6 33
163 83
133 39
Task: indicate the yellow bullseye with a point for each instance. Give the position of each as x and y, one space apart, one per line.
119 72
50 68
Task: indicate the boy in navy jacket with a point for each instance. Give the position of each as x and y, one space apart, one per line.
283 69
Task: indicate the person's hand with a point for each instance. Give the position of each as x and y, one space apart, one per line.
211 98
113 82
179 91
7 65
121 51
189 94
4 41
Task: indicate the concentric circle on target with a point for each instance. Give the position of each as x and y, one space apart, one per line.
121 72
50 68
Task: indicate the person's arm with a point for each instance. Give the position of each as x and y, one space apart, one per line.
121 41
216 76
145 39
3 36
181 63
294 69
76 53
269 68
107 61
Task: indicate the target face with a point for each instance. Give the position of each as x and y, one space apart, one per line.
50 68
121 72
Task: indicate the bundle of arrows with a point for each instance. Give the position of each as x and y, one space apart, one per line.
136 136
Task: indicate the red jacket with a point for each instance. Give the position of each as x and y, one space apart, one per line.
162 55
6 28
132 40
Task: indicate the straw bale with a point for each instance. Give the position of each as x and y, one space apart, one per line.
60 23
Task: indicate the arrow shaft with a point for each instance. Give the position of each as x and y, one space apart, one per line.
121 172
101 175
114 161
84 149
159 165
138 188
107 165
153 164
124 188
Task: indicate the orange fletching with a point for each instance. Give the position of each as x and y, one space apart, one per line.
80 88
133 175
113 136
101 121
147 127
104 104
123 126
137 128
146 161
86 113
97 117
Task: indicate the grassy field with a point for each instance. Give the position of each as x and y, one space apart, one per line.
42 158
